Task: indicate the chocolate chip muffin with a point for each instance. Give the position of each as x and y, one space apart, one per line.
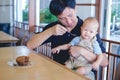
23 60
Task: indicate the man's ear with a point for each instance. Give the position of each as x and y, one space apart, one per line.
75 8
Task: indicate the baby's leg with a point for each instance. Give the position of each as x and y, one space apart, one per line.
70 63
84 70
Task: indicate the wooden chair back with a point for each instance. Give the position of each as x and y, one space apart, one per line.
109 72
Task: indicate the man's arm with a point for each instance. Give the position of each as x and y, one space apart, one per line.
77 50
38 39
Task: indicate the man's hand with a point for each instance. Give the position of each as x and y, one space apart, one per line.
75 51
58 30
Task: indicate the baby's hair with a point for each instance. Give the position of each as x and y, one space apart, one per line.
92 20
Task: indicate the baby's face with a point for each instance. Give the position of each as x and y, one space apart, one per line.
89 30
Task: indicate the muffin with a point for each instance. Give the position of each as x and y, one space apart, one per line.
23 60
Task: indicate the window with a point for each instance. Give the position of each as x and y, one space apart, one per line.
112 20
45 15
21 10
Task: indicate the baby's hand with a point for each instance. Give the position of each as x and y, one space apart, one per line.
95 66
55 50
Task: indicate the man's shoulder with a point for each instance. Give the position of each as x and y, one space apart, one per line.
80 21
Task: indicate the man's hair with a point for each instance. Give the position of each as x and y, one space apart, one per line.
57 6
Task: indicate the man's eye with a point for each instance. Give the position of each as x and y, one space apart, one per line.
62 18
70 15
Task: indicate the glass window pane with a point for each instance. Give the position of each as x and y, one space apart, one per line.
115 20
21 10
45 15
25 10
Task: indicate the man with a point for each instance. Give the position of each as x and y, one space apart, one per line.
63 31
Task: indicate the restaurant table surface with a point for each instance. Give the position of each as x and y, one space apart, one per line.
7 38
41 68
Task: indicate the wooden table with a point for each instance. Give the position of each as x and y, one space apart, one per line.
6 38
41 68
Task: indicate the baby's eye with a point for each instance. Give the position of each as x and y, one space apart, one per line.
91 31
85 29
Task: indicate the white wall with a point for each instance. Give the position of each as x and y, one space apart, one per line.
85 1
5 11
85 11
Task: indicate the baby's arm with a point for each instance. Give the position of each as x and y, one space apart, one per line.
66 46
61 47
97 63
99 58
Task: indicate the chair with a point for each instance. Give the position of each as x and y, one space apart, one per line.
45 50
111 71
117 76
22 35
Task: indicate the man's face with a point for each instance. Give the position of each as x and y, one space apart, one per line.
68 17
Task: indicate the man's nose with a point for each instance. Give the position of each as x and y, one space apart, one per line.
68 20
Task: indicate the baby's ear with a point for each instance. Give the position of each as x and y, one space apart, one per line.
96 33
81 27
